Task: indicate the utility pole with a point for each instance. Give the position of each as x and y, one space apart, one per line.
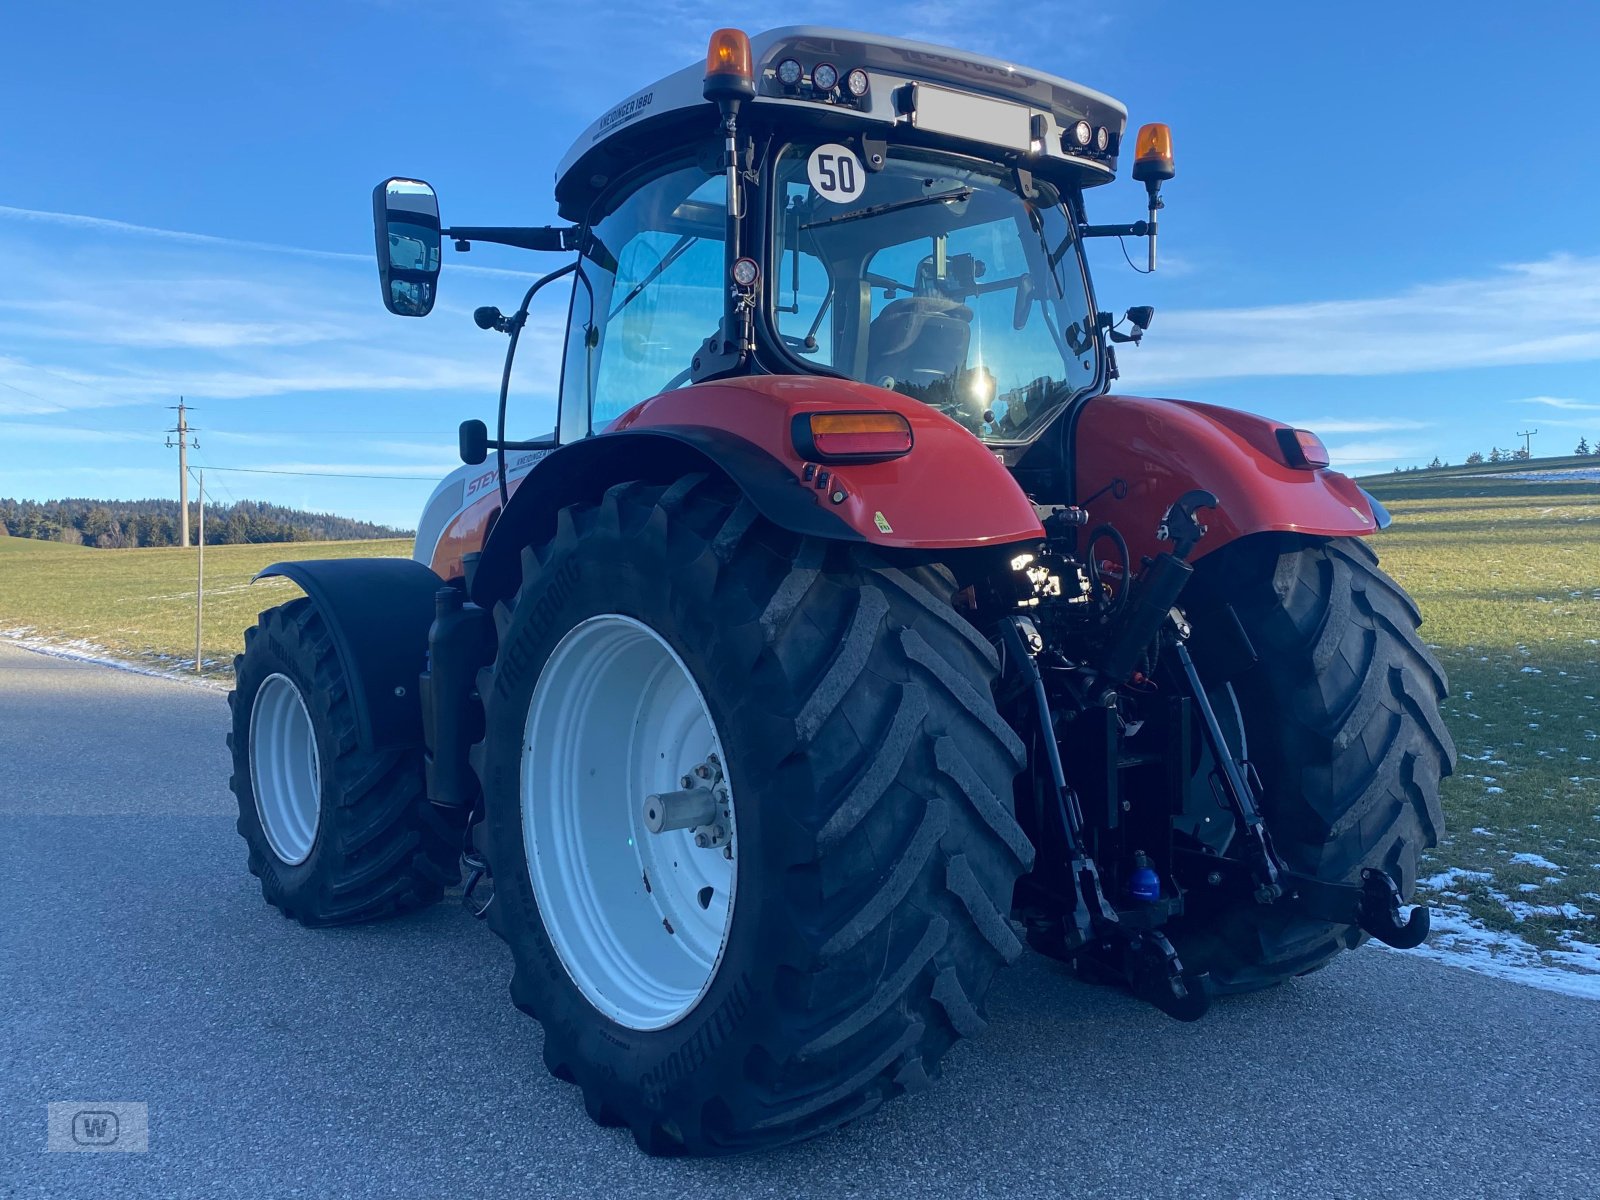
1527 442
184 445
200 574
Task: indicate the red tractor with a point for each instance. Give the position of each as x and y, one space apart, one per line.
847 631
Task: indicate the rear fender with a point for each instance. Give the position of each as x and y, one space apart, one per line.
1134 456
949 492
377 611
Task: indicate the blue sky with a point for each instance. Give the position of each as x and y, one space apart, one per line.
1383 224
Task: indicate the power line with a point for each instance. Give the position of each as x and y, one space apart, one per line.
34 395
315 474
233 504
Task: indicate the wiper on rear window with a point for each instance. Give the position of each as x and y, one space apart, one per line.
876 210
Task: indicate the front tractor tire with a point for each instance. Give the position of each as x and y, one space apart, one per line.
831 928
336 834
1341 719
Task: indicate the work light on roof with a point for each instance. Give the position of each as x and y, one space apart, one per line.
1082 134
825 77
1102 139
789 72
856 83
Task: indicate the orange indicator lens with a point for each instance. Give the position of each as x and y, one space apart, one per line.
1302 448
1311 448
856 435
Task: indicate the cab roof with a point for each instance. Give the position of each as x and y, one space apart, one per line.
1055 105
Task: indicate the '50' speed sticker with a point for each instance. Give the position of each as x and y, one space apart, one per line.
836 174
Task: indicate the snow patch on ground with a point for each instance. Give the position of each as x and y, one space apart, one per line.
1567 475
1451 877
1458 941
1522 910
1536 860
82 650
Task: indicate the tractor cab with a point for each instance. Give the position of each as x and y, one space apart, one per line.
939 275
817 202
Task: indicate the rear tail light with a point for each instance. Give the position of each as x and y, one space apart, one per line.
851 436
1302 448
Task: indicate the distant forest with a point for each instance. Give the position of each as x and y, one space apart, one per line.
117 524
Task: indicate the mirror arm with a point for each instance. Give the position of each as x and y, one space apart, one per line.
540 443
1137 229
530 237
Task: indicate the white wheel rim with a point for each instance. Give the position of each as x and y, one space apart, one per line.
285 775
617 716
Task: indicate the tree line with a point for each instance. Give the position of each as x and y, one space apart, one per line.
120 524
1497 455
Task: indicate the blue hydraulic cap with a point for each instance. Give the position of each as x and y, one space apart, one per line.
1144 884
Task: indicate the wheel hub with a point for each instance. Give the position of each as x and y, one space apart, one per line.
700 804
285 776
628 822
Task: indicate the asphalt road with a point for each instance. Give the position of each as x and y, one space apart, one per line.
139 963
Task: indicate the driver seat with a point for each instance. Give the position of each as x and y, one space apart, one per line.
919 340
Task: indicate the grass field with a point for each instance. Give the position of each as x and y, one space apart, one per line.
1507 573
138 605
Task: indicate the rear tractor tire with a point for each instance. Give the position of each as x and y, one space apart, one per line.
336 834
827 924
1341 720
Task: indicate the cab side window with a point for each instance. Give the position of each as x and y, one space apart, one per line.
654 265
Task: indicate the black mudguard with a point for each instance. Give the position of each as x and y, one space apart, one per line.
378 611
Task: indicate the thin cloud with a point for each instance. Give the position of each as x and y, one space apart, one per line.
53 432
206 319
1356 454
84 221
1360 425
1497 319
1563 423
435 469
1558 402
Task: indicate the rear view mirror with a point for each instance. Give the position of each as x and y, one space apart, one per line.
405 221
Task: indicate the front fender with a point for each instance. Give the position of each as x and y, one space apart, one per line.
949 492
377 610
1160 449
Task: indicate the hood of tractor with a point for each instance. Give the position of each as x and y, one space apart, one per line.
912 84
